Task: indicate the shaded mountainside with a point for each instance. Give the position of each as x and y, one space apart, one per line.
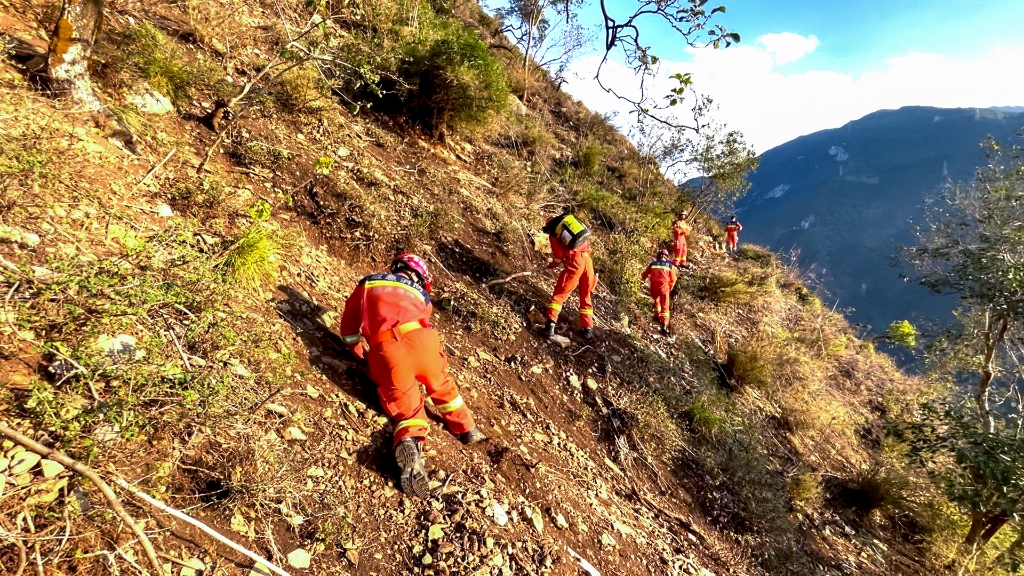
177 331
845 198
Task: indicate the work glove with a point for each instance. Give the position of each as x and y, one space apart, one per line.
358 350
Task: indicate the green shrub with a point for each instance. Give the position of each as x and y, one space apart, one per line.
805 489
762 256
301 90
587 158
252 261
454 80
154 57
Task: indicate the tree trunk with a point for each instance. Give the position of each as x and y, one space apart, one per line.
984 527
71 49
992 341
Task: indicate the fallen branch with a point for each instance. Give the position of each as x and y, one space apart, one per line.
190 520
22 552
506 279
155 168
94 477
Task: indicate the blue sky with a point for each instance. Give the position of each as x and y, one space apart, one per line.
807 65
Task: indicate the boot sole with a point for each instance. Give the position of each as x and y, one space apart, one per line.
414 478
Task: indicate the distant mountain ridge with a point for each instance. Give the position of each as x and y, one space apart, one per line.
844 198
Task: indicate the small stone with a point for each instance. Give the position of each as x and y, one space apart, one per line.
293 433
500 517
119 349
50 468
591 383
561 340
164 211
312 392
537 369
353 556
277 409
607 540
298 558
560 522
435 532
195 568
538 522
23 462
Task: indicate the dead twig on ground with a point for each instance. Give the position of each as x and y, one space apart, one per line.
22 552
94 477
154 169
506 279
197 524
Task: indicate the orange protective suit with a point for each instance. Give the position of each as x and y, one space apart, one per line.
578 271
391 313
680 230
662 276
732 235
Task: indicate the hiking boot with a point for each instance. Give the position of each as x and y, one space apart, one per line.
413 477
549 329
587 333
473 436
664 330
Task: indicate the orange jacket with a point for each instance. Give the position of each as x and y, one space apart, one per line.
680 229
559 253
662 274
733 228
382 302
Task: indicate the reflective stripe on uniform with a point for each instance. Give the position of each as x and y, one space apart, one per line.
555 306
412 422
661 267
351 339
392 284
450 406
588 312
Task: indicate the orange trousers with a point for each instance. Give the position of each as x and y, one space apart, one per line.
662 305
731 240
578 271
679 258
399 366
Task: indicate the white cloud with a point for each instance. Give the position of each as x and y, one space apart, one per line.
787 46
771 106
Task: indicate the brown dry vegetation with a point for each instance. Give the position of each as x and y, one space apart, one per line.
749 442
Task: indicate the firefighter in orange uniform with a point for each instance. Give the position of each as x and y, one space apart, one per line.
386 321
570 246
662 275
680 230
732 234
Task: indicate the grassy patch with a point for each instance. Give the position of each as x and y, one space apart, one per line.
146 52
251 262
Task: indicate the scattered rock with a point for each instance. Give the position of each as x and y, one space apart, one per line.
293 433
560 340
560 522
298 558
312 392
50 468
195 567
23 462
353 556
18 236
164 211
500 517
151 102
119 349
107 432
607 540
435 532
277 409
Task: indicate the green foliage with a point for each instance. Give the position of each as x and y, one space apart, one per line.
805 489
154 57
252 261
587 158
260 211
762 256
200 194
454 81
903 333
323 165
260 155
301 90
704 417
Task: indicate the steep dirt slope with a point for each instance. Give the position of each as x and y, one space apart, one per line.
126 343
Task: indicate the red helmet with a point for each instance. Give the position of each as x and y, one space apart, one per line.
662 254
416 264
